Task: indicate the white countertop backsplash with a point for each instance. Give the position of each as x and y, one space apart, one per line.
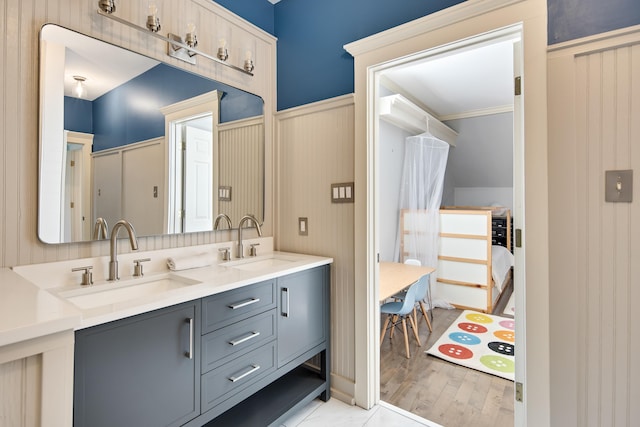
29 307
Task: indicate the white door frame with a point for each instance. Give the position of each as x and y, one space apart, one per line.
466 20
198 106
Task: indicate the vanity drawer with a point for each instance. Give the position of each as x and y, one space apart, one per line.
237 375
220 346
232 306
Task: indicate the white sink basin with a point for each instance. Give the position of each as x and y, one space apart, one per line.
124 291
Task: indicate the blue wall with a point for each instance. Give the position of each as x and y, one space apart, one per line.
78 115
312 63
130 113
573 19
258 12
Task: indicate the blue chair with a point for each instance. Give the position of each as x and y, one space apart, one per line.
398 312
421 294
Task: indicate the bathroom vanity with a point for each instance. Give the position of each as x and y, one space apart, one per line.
244 342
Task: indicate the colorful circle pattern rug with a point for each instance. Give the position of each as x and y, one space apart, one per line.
479 341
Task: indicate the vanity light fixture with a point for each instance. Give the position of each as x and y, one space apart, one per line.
153 22
107 6
223 54
177 48
80 91
190 38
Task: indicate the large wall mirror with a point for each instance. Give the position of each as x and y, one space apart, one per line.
125 136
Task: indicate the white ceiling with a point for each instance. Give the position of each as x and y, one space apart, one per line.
102 72
467 83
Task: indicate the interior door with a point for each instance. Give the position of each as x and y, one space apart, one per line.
198 179
143 196
107 185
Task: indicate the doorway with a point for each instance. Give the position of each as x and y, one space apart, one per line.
191 129
473 97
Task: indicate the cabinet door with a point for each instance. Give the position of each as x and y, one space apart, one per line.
302 312
139 371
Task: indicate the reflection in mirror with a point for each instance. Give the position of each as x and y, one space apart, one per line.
125 136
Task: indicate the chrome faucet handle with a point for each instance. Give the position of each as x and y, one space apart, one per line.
87 276
137 268
226 253
252 249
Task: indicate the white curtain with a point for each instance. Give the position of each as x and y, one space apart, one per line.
425 162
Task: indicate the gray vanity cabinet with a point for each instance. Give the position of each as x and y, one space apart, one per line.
302 328
302 314
236 358
139 371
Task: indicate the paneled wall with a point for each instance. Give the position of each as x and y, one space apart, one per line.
20 22
240 143
20 385
594 126
314 150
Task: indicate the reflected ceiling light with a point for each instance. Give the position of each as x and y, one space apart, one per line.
153 22
80 91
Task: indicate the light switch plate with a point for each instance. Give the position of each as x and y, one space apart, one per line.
303 226
342 193
618 186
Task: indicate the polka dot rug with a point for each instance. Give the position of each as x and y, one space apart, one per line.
479 341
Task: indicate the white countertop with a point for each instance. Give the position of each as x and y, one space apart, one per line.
29 310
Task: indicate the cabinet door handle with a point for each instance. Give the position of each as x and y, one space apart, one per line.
189 354
251 335
285 302
253 369
243 303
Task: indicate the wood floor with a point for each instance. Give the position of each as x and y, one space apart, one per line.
440 391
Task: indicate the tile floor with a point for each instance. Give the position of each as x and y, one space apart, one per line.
336 413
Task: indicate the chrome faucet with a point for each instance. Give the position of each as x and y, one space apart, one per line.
100 229
226 218
244 219
113 263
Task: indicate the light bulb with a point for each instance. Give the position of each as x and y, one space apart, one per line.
153 9
248 55
79 85
191 28
223 43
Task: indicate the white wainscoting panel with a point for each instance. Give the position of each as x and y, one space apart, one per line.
241 143
20 386
315 150
594 126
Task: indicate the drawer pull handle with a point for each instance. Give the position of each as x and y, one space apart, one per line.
243 303
189 354
284 299
245 339
253 369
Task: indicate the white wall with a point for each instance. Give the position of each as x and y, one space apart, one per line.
483 196
391 158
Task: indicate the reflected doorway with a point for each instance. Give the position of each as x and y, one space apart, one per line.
192 154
